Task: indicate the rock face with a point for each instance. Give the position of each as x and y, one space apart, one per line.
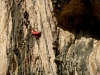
56 52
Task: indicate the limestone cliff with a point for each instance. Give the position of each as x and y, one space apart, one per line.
57 51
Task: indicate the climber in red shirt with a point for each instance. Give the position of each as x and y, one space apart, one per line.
35 33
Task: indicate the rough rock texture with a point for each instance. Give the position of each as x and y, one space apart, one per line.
56 52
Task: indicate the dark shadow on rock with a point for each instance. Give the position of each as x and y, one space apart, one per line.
80 19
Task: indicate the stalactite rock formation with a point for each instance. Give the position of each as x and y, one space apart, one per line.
58 51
